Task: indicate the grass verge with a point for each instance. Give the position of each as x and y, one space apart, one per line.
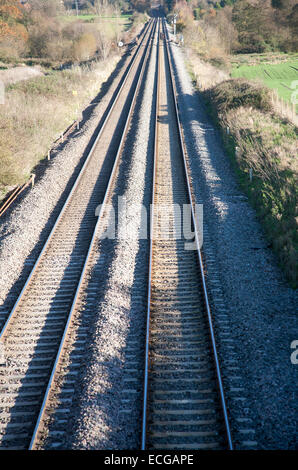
262 145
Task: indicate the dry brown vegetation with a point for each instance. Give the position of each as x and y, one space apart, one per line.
262 142
204 74
38 110
46 30
215 28
212 36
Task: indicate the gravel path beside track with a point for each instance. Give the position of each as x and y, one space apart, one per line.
248 286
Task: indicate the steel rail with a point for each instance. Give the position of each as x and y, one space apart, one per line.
146 369
73 189
34 439
198 249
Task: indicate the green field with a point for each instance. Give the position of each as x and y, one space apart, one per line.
278 76
109 24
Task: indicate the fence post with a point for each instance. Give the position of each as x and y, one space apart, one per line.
237 152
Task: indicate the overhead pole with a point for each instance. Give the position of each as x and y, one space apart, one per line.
174 21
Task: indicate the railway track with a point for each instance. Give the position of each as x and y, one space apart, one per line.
36 331
184 405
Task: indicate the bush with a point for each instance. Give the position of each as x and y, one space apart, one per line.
196 13
180 26
84 47
232 94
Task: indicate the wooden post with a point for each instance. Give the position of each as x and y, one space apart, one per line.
49 155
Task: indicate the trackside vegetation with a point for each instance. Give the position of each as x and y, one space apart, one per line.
241 54
262 147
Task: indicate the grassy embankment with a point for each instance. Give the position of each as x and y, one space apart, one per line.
37 110
261 141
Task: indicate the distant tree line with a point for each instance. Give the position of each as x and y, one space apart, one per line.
258 25
37 29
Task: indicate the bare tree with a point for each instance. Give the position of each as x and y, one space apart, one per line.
104 44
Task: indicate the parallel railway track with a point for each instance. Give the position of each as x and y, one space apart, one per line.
35 332
184 405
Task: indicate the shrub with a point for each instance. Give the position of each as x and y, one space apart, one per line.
196 13
232 94
180 26
84 47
